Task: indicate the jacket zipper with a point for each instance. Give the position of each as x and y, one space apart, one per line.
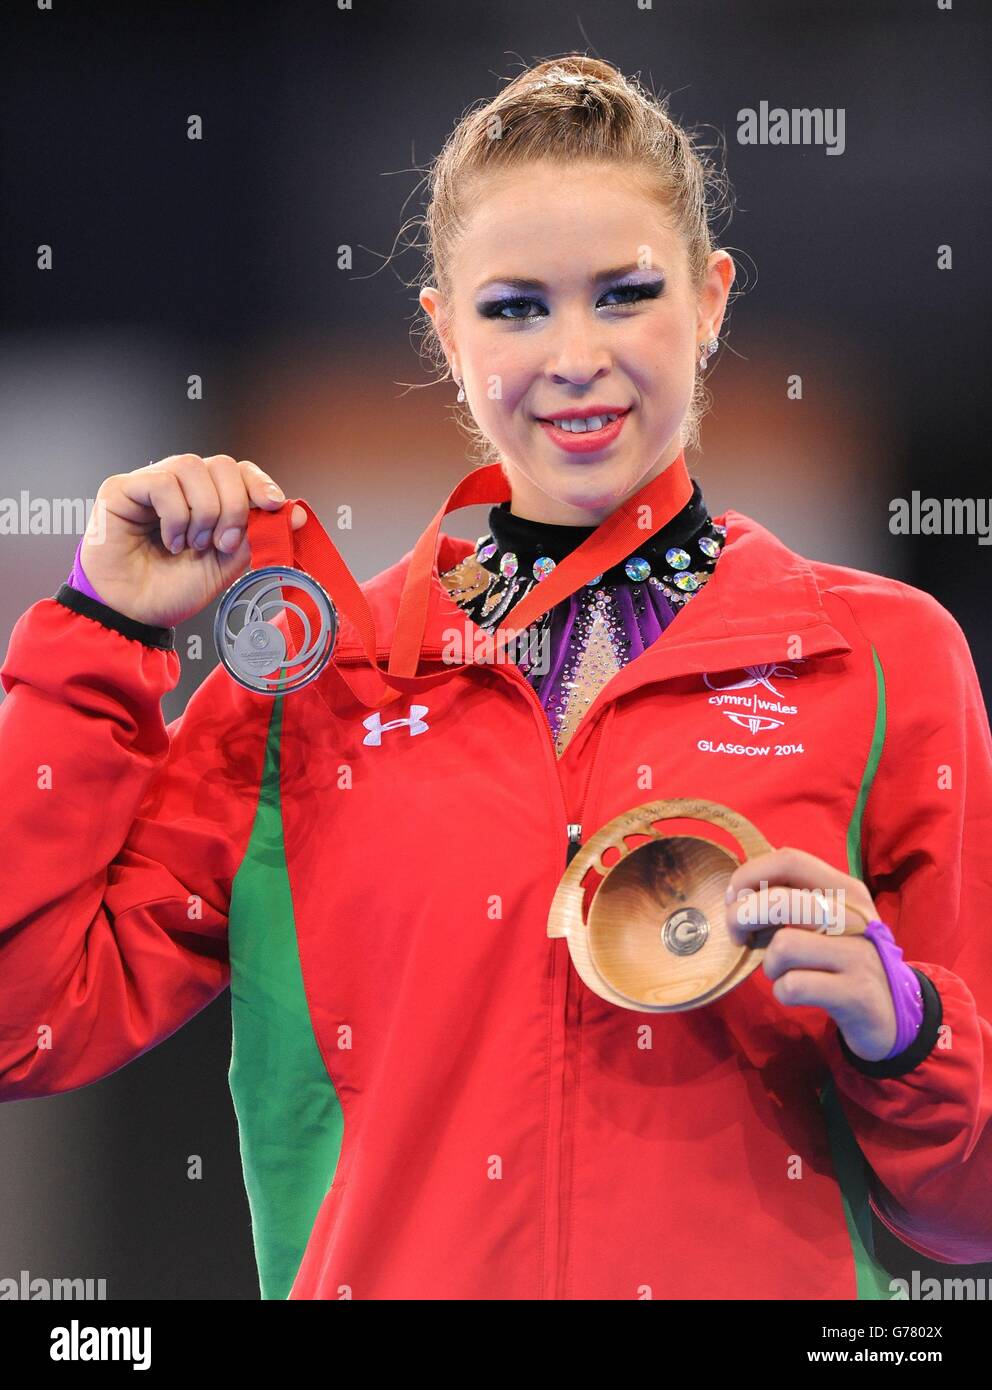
573 830
563 996
563 999
570 1034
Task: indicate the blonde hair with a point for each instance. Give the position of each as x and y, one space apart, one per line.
567 109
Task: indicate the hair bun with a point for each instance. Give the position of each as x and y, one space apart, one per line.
575 70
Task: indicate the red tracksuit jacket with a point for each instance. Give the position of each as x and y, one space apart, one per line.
431 1102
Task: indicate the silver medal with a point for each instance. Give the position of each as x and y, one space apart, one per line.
253 650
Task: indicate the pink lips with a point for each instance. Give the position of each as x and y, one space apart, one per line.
588 441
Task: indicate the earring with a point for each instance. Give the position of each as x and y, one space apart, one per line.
461 392
706 351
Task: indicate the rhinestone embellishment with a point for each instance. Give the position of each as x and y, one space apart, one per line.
637 568
599 640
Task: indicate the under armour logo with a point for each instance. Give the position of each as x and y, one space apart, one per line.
377 728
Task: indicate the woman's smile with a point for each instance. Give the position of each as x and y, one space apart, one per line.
585 433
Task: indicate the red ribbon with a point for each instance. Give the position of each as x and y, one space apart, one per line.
273 542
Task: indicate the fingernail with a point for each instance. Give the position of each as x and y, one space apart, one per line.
274 490
202 538
230 538
730 895
177 544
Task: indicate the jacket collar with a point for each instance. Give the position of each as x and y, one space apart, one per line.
762 604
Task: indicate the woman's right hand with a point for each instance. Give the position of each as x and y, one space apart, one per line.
148 563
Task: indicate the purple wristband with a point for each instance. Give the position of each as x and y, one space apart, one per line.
77 579
904 986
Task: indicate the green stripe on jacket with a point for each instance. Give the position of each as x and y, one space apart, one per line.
289 1117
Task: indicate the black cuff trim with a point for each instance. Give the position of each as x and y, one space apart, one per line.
163 638
917 1051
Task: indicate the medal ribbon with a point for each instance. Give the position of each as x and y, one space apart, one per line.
273 542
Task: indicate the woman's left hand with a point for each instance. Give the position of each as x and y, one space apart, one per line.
811 963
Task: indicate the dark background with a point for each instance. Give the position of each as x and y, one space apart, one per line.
219 257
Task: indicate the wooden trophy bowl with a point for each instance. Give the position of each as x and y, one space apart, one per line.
654 937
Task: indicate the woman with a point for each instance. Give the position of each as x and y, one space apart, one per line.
432 1104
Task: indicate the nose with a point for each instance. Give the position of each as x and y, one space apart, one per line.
577 353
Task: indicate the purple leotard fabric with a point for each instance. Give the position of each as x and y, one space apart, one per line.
77 579
903 986
634 623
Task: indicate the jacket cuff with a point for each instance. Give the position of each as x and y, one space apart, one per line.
164 638
917 1051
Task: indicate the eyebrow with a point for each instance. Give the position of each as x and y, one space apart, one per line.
523 283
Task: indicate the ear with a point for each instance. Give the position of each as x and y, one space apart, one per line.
432 304
712 301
